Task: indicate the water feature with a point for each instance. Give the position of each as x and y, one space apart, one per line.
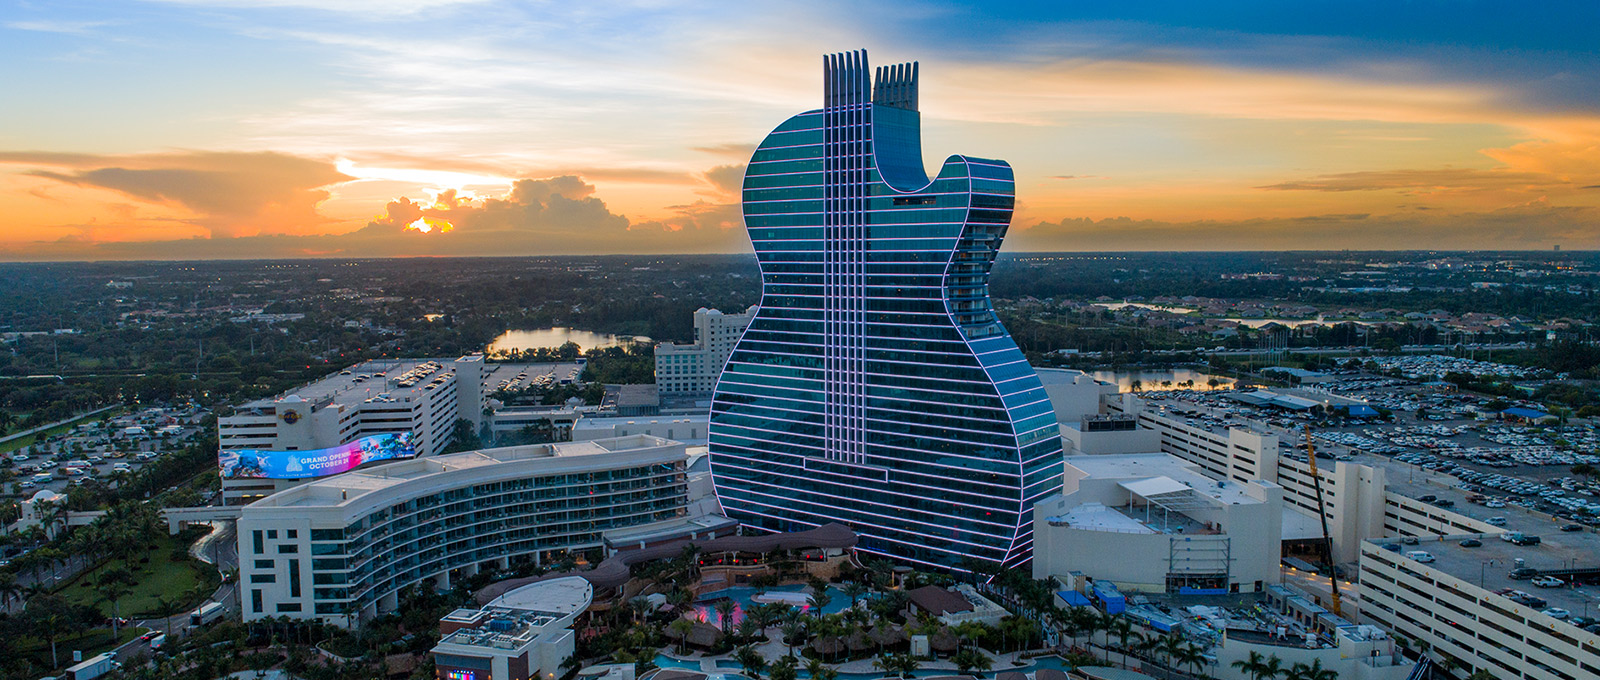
556 337
705 608
1029 666
1159 380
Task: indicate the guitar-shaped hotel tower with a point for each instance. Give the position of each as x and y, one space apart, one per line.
875 387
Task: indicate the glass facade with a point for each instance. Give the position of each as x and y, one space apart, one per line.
875 387
420 537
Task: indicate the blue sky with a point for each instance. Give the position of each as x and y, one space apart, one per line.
218 128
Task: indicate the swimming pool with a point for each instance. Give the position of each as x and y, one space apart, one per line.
705 607
1055 662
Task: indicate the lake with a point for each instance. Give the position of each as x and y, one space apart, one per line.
556 337
1141 305
1150 380
1295 323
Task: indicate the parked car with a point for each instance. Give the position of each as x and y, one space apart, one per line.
1556 613
1471 543
1496 521
1572 527
1548 582
1522 573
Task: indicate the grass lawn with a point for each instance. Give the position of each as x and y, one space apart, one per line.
92 642
59 429
157 578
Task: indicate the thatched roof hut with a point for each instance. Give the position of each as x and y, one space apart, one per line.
887 635
1011 675
859 641
701 635
944 641
828 646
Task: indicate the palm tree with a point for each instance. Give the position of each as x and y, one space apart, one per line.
9 588
750 660
903 665
1315 671
783 669
1260 667
1172 648
112 585
854 590
793 630
1122 628
967 660
725 609
818 670
681 628
1192 655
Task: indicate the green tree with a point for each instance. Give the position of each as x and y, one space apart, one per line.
1314 671
112 585
51 617
725 609
1260 667
969 659
903 665
681 628
820 670
784 669
750 660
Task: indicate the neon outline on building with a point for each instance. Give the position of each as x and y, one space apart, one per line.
875 387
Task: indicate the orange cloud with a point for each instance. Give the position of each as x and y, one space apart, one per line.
227 193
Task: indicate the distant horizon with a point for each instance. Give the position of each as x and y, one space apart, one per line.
294 129
1003 254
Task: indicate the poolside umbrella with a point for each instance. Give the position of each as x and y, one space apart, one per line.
1049 674
1011 675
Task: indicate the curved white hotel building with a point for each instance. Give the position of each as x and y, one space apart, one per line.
342 548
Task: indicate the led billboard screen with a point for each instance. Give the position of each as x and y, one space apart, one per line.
250 463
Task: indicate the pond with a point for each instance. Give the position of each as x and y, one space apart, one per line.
556 337
1159 380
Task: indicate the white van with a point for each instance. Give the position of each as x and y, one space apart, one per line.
1420 555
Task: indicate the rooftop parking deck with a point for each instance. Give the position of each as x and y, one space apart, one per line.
1488 565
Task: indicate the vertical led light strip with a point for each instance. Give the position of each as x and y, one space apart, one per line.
847 120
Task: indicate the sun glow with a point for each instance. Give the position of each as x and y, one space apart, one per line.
426 225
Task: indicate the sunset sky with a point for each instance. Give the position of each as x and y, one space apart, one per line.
293 128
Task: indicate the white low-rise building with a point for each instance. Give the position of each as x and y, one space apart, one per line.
1152 522
344 546
521 635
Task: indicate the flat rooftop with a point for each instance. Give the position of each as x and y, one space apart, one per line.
401 378
520 376
1141 466
1487 565
350 486
558 597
